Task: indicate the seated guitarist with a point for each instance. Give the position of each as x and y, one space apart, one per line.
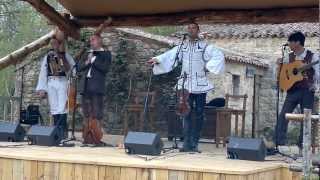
301 92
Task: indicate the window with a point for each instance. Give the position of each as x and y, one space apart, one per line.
235 84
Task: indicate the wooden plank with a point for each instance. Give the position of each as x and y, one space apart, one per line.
253 176
78 168
274 16
66 171
1 167
7 169
113 173
193 175
101 172
210 176
40 170
128 173
64 24
142 173
286 174
17 170
30 170
159 174
51 171
278 174
235 177
296 176
90 172
176 175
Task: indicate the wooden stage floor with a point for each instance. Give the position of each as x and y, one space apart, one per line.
25 162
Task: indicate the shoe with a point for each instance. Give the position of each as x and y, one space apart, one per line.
185 150
196 150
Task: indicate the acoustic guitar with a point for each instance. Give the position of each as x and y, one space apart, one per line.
293 72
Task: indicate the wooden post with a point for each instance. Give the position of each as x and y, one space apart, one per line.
306 151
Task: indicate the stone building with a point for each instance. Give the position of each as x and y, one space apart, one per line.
129 73
265 42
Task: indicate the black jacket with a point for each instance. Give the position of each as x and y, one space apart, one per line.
99 69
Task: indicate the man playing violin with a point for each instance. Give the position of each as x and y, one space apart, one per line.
197 57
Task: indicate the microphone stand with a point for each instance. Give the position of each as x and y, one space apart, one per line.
276 150
175 145
146 102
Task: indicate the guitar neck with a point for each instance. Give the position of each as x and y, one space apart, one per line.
308 66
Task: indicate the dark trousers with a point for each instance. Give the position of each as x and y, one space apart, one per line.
192 130
92 106
60 120
303 97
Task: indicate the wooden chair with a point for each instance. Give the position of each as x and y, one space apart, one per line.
240 112
136 107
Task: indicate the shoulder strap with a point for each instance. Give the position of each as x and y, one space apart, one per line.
291 57
309 56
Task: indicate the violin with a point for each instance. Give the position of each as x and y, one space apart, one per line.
183 107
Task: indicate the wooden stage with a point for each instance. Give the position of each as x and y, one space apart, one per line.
27 162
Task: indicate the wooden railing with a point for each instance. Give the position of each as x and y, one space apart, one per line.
8 107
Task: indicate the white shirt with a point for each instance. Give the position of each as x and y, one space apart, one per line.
43 75
196 56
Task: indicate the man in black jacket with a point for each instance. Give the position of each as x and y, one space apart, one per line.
92 84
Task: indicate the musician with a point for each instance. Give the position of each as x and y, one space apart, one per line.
302 92
56 66
198 57
93 87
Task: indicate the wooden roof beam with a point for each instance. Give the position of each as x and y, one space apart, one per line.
63 23
18 55
263 16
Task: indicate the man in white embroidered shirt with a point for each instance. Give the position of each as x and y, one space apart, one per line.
197 57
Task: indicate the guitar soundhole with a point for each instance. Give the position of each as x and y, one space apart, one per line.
295 71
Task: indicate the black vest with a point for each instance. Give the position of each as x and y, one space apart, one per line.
55 64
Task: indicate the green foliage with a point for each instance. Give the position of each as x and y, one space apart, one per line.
19 24
119 77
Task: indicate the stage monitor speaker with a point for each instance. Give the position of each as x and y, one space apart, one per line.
44 135
12 132
143 143
30 116
246 149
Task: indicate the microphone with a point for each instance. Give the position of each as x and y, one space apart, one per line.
186 34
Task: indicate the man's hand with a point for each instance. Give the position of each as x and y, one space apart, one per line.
42 93
153 61
279 61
